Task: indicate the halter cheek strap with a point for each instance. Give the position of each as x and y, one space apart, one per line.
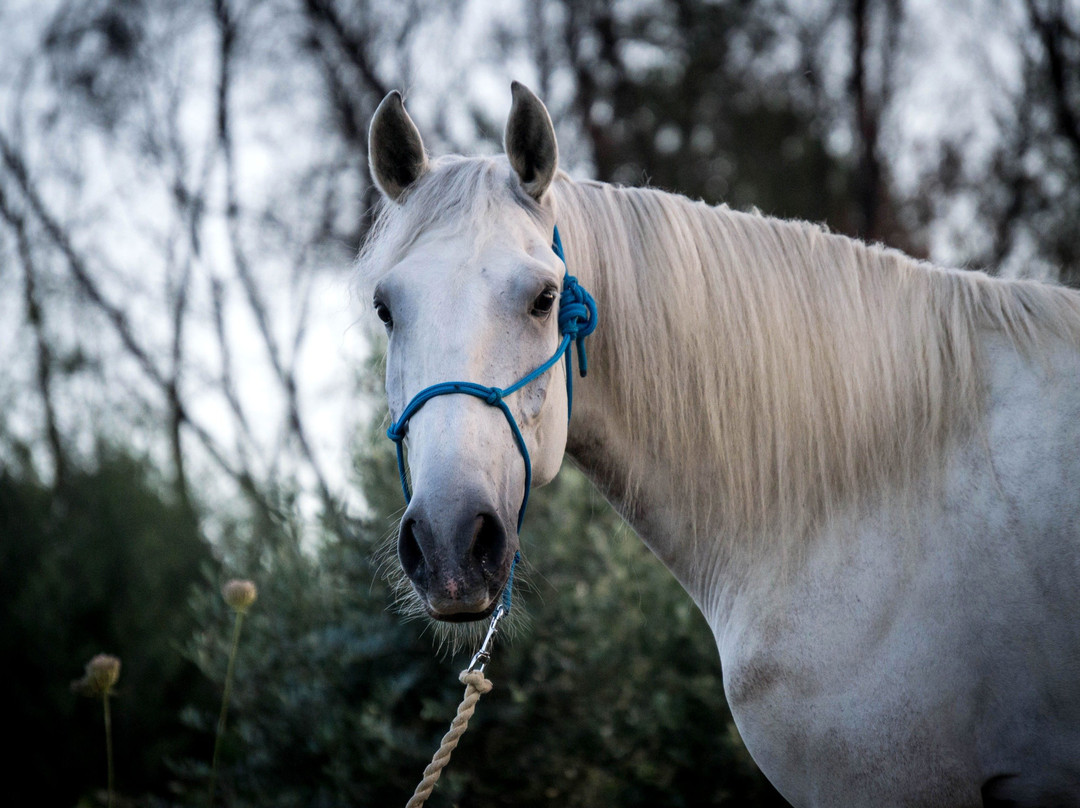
577 319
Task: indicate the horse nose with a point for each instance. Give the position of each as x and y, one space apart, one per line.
410 553
456 565
419 552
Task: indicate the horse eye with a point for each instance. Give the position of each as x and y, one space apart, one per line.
383 313
543 303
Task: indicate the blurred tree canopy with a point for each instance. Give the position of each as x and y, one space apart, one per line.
183 186
606 694
106 563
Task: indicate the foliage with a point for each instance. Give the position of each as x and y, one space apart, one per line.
104 563
607 692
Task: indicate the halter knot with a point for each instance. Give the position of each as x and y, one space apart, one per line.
493 397
396 432
577 309
577 317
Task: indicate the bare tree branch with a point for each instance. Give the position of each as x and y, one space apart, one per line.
1053 31
79 270
113 314
179 303
228 381
866 122
284 372
323 15
36 318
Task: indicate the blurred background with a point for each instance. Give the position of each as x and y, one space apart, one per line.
190 392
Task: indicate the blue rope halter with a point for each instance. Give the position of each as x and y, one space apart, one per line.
577 319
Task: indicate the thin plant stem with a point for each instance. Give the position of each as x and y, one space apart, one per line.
224 706
108 743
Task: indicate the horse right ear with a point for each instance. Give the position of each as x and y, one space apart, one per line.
395 151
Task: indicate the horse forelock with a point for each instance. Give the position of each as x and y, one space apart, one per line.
783 373
458 195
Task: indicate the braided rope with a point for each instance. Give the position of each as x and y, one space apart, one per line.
476 685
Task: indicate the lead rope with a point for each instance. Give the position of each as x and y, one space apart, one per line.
476 685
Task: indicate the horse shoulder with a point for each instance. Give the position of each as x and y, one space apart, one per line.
935 652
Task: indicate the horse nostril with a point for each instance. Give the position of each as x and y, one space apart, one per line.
488 542
409 552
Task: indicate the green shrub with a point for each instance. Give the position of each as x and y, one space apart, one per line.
607 693
105 564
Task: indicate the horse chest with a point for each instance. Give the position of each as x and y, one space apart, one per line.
843 699
920 678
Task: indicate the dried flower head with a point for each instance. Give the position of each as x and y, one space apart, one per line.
102 673
239 595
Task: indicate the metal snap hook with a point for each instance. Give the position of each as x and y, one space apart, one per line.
483 656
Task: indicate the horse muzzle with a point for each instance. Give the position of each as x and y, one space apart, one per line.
457 554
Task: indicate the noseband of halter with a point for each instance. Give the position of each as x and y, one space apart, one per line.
577 319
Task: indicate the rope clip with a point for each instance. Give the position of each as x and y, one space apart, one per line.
483 656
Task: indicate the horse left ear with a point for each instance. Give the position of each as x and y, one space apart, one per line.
530 141
395 150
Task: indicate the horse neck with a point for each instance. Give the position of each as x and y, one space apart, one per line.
670 510
751 379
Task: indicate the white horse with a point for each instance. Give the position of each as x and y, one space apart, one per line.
865 470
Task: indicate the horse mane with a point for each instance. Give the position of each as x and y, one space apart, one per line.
803 371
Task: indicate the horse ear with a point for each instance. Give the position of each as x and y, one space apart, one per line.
395 151
530 141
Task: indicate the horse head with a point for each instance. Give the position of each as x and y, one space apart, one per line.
467 286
